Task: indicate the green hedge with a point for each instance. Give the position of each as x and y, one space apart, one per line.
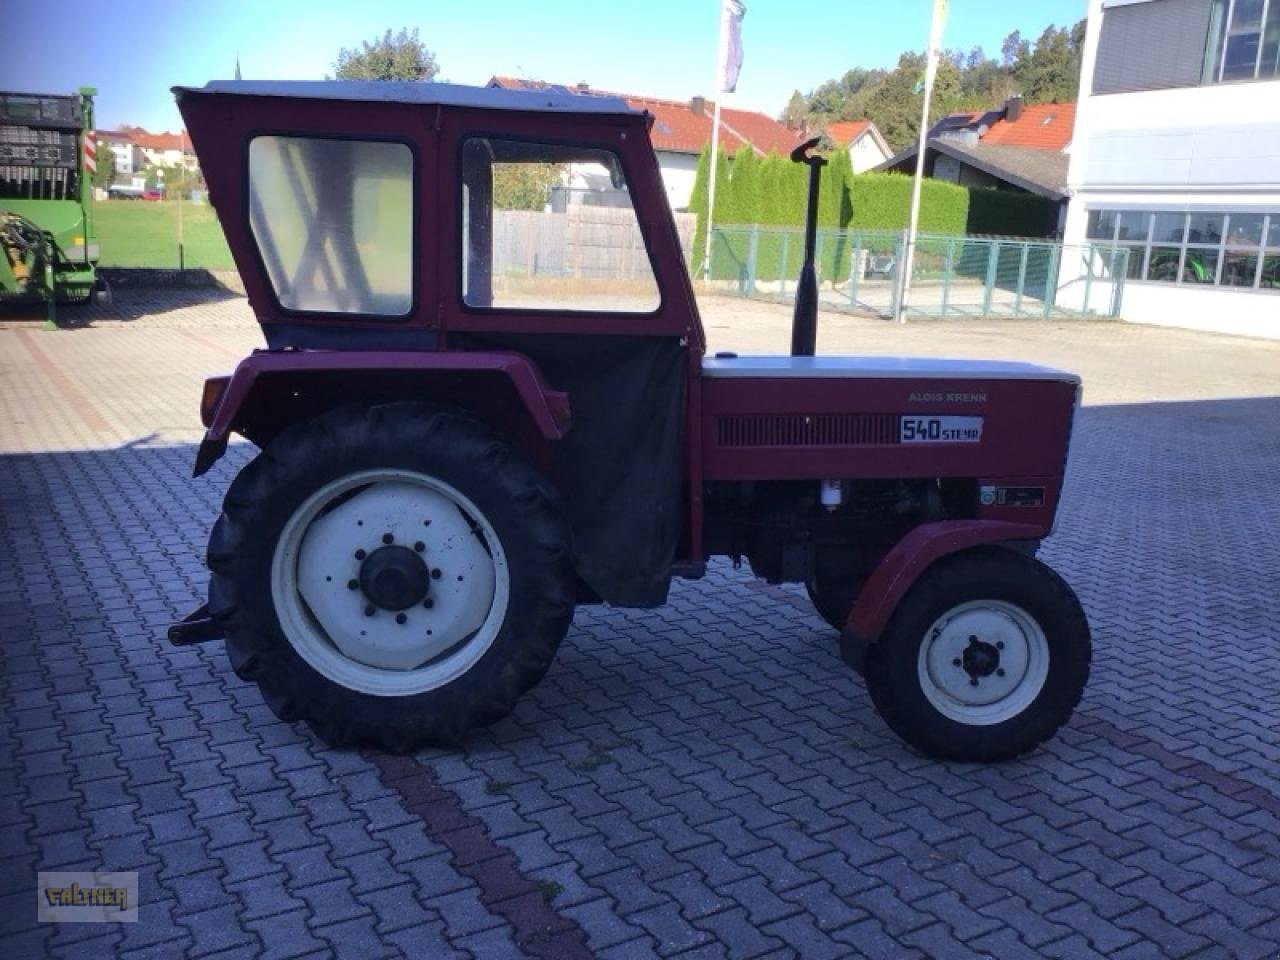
771 191
1006 213
882 201
698 201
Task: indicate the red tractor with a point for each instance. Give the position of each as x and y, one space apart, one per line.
485 399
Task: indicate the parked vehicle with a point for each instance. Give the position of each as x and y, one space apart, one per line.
456 452
48 246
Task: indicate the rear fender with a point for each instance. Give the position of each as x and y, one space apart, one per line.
909 558
271 390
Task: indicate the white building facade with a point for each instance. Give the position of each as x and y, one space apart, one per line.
124 151
1176 158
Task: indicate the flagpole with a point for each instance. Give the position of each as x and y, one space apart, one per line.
182 186
930 72
715 143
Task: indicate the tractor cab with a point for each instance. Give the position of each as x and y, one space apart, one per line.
428 210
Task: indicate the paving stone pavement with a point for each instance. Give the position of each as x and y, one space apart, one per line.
703 780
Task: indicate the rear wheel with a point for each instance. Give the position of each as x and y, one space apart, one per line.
394 575
985 658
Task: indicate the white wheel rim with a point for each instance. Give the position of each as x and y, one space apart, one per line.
325 619
959 649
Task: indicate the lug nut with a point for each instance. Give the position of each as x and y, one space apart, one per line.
360 554
435 574
370 610
353 584
387 538
999 671
999 644
401 618
956 662
428 603
419 546
973 681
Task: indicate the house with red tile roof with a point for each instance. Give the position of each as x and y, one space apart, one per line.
682 129
867 148
135 149
1019 147
165 149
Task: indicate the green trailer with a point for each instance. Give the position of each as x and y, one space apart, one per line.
48 245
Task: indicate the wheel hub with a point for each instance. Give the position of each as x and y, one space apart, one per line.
980 659
395 578
390 577
983 662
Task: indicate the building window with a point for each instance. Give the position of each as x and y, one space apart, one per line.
333 220
1269 272
1211 248
1130 229
1244 41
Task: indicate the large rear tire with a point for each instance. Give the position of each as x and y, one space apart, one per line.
392 575
984 659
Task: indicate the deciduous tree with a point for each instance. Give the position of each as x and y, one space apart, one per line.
400 56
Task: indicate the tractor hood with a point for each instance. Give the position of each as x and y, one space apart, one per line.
926 368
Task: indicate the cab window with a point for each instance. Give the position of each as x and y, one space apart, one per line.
333 221
551 227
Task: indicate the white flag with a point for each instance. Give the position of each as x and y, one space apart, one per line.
731 14
936 25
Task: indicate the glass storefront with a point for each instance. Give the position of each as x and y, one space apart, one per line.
1202 247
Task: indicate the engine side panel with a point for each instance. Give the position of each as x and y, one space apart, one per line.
1009 434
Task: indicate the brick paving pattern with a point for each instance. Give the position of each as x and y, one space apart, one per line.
703 780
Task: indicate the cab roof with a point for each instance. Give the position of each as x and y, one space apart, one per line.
433 94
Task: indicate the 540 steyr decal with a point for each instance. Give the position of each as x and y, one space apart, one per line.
917 429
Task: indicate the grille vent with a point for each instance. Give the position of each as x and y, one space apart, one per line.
806 429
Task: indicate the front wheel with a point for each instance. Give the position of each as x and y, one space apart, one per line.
985 658
393 575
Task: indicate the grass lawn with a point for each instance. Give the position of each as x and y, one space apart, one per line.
138 233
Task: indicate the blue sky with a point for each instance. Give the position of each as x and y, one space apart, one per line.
134 51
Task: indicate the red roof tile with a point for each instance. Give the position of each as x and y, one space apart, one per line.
1042 126
846 132
150 141
677 128
160 141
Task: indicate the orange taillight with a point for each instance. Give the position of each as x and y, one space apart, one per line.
211 396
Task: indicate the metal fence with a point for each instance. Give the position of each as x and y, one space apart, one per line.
951 276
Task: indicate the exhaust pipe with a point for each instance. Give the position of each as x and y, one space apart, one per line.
804 322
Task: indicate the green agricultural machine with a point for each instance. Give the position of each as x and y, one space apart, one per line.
48 246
